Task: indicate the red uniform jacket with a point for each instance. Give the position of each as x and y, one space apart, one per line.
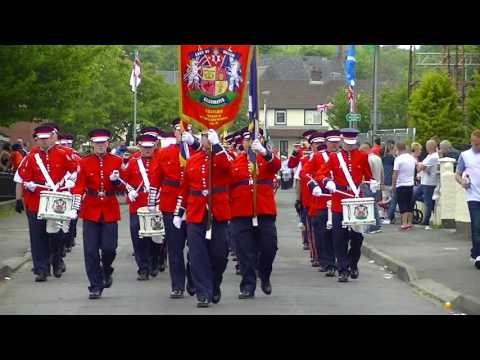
196 180
131 175
167 174
93 177
293 161
241 190
305 194
307 173
357 163
57 162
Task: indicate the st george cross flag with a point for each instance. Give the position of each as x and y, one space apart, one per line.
324 107
135 77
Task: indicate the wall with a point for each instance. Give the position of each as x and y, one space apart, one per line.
295 117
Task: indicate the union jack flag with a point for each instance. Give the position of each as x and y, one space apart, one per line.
135 77
350 98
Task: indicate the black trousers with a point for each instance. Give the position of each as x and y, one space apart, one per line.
175 239
46 248
347 244
141 246
208 258
256 247
100 241
323 238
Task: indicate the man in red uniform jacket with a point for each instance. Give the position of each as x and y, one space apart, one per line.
333 178
97 182
55 162
167 174
255 234
135 174
208 256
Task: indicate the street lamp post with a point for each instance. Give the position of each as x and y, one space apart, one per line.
265 93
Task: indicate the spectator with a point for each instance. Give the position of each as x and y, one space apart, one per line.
445 149
388 161
468 175
5 157
428 180
377 148
402 184
16 156
416 150
376 166
22 144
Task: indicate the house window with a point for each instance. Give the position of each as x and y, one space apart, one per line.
313 117
283 147
280 117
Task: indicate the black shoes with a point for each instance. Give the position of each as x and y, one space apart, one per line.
315 263
190 289
354 274
266 287
95 294
245 295
176 294
143 276
343 276
41 277
477 264
322 268
57 272
330 272
154 273
108 281
217 295
203 302
162 268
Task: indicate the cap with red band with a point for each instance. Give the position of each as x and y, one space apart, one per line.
99 135
43 131
147 140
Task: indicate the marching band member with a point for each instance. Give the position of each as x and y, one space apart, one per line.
98 179
345 171
167 174
256 243
135 174
46 165
208 257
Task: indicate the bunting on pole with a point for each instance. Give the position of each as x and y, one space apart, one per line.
135 77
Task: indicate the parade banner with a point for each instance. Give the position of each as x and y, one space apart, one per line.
212 82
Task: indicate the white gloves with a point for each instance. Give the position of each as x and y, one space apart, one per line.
115 176
132 195
69 184
331 186
317 191
374 186
177 221
258 147
31 186
188 138
72 214
213 137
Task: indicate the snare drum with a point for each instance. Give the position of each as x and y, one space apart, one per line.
358 212
54 205
151 223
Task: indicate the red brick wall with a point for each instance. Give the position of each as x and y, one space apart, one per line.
21 129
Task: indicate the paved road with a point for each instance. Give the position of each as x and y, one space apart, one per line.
297 287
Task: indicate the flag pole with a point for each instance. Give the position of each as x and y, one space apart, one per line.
134 101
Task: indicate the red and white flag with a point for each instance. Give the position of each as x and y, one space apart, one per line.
135 77
324 107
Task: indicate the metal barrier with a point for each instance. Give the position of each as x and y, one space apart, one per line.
7 186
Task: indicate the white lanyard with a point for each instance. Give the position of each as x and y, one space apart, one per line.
347 173
325 156
44 171
144 174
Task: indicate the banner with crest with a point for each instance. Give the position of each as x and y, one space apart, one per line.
212 82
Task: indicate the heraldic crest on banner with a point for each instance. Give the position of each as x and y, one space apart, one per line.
214 76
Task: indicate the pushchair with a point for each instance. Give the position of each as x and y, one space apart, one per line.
417 213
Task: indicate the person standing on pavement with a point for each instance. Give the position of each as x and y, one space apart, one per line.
402 184
255 237
208 248
388 162
44 168
468 175
428 181
376 166
345 171
377 147
98 180
167 175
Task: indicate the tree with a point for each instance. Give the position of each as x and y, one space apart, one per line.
393 107
337 115
434 109
472 104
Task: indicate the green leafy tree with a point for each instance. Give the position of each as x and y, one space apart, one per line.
472 104
337 115
393 106
434 109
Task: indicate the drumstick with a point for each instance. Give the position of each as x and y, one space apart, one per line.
344 193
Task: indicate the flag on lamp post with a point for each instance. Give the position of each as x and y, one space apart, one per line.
135 77
350 76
